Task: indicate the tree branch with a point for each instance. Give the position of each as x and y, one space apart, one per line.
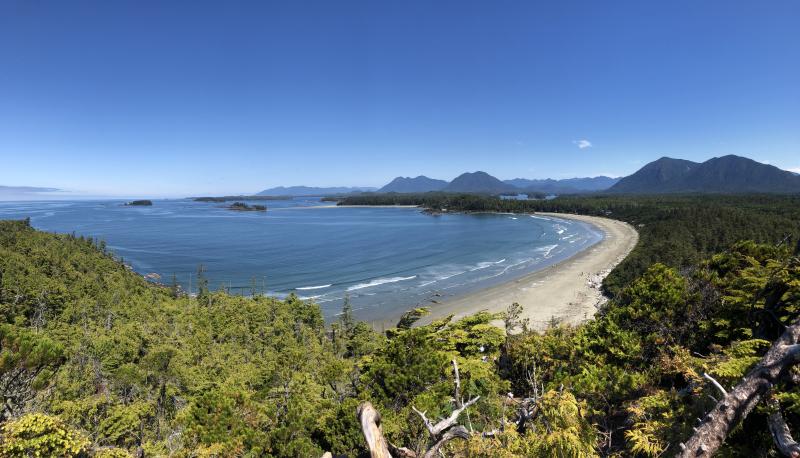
457 394
715 383
370 421
781 434
445 423
738 403
456 432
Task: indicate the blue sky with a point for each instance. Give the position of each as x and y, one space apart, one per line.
189 97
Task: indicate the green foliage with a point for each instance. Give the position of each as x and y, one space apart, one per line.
135 365
27 360
41 435
411 317
562 428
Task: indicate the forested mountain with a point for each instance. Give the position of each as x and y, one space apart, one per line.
417 184
727 174
564 186
479 183
311 191
662 175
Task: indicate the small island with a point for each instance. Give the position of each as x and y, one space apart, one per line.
243 207
230 198
140 203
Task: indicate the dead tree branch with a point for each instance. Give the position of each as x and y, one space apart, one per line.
781 434
370 421
457 390
452 433
715 383
441 433
738 403
437 429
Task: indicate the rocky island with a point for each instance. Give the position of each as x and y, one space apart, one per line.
139 203
243 207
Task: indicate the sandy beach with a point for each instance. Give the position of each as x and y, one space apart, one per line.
568 290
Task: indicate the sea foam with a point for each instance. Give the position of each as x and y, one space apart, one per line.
380 281
306 288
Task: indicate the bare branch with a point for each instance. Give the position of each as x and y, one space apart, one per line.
781 434
401 452
425 420
453 433
370 421
446 423
715 383
457 394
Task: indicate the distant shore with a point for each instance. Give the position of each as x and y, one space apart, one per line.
568 291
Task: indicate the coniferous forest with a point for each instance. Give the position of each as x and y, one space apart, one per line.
695 353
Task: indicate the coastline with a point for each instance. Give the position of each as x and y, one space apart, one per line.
568 290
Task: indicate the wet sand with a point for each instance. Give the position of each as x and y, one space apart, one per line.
568 291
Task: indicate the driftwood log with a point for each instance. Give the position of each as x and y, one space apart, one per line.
736 404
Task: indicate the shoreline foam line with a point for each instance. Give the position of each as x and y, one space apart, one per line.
306 288
379 281
567 290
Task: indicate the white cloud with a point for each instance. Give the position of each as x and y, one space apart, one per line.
582 144
795 170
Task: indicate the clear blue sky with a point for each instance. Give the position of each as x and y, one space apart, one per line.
188 97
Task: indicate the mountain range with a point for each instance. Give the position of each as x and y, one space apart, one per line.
25 192
565 186
312 191
726 174
482 182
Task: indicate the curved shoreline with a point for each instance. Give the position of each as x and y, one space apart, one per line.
568 290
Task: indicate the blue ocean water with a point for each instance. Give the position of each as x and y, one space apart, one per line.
386 260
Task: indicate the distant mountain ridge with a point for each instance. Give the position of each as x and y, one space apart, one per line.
482 182
479 183
26 192
726 174
311 191
412 185
564 186
26 189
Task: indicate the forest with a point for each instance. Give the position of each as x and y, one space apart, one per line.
694 353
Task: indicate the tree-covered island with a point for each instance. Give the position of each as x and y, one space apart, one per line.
243 207
140 203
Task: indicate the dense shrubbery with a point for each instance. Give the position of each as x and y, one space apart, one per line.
105 363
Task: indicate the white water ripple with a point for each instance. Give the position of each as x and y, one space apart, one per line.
380 281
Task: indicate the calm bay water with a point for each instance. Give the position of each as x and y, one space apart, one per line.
386 260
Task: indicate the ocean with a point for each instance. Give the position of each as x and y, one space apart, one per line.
386 260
